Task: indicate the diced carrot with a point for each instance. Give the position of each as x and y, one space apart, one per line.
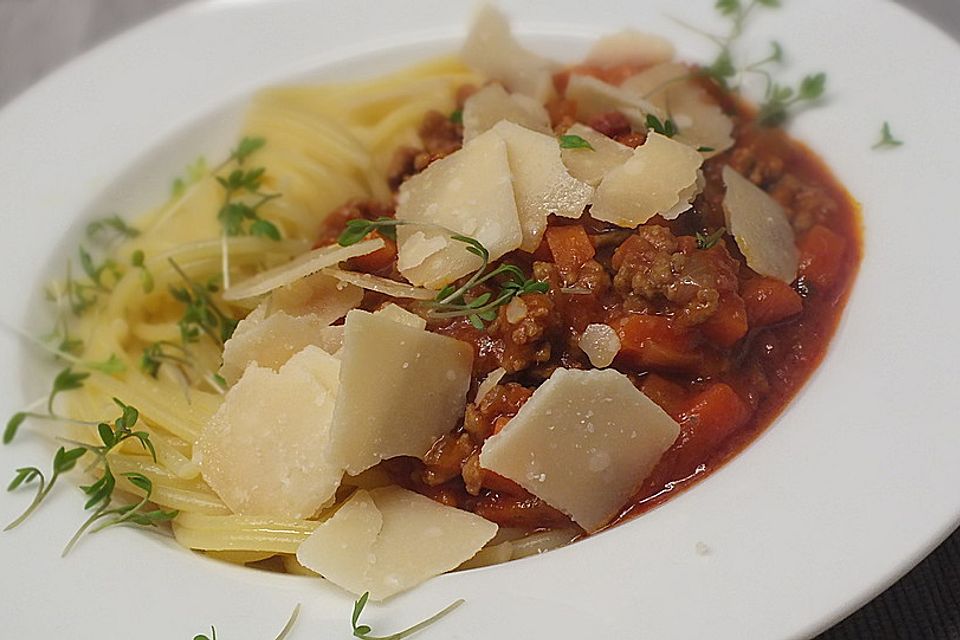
769 301
821 256
669 396
729 323
709 419
652 342
379 259
571 248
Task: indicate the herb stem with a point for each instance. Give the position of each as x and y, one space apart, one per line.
83 529
289 626
42 490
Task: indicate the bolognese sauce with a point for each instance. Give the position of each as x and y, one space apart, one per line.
721 348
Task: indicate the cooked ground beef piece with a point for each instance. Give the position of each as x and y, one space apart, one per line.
657 266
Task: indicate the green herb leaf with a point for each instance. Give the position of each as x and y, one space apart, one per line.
457 117
13 424
246 147
705 241
667 128
66 380
194 173
728 7
265 229
201 314
358 229
812 87
887 139
114 224
25 475
574 142
111 366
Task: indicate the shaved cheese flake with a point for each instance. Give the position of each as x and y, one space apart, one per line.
401 315
490 105
469 192
686 198
319 295
630 47
270 343
492 50
341 549
541 182
385 286
700 120
300 267
388 540
601 344
583 443
595 97
759 225
492 380
266 452
426 377
660 177
331 339
590 166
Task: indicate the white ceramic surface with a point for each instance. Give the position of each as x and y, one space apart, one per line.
852 485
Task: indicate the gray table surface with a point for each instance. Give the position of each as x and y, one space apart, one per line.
38 35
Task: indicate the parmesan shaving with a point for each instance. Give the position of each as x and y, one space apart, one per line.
601 344
662 177
385 286
492 380
470 192
401 315
701 122
490 105
759 225
300 267
426 377
590 166
492 50
630 47
583 443
318 295
269 343
595 97
389 540
266 451
541 182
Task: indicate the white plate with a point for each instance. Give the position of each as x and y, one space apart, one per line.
850 487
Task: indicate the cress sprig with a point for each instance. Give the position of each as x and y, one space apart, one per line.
243 197
201 314
66 380
708 241
887 139
100 492
451 301
779 99
363 631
